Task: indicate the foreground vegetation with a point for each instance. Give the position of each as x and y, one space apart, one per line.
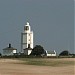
46 61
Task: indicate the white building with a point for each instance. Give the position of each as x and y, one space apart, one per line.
27 40
51 53
9 51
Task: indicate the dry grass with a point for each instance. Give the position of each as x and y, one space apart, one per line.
7 67
47 62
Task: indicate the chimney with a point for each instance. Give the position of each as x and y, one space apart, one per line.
28 45
9 45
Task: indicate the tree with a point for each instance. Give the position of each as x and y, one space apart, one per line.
38 50
0 54
64 53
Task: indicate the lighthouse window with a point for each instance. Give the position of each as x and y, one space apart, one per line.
26 28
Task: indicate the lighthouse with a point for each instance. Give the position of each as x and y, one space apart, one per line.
27 40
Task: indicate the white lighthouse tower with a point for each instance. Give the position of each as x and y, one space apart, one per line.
27 40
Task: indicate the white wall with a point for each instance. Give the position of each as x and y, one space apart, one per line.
27 52
51 54
14 51
7 52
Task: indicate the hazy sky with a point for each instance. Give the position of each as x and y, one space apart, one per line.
51 20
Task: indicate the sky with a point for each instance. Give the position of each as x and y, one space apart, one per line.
52 22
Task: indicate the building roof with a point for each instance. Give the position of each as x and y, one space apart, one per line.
11 48
50 52
27 49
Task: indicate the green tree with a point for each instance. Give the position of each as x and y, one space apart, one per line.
0 54
38 50
64 53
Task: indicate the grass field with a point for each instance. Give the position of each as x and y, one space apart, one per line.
47 61
37 66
